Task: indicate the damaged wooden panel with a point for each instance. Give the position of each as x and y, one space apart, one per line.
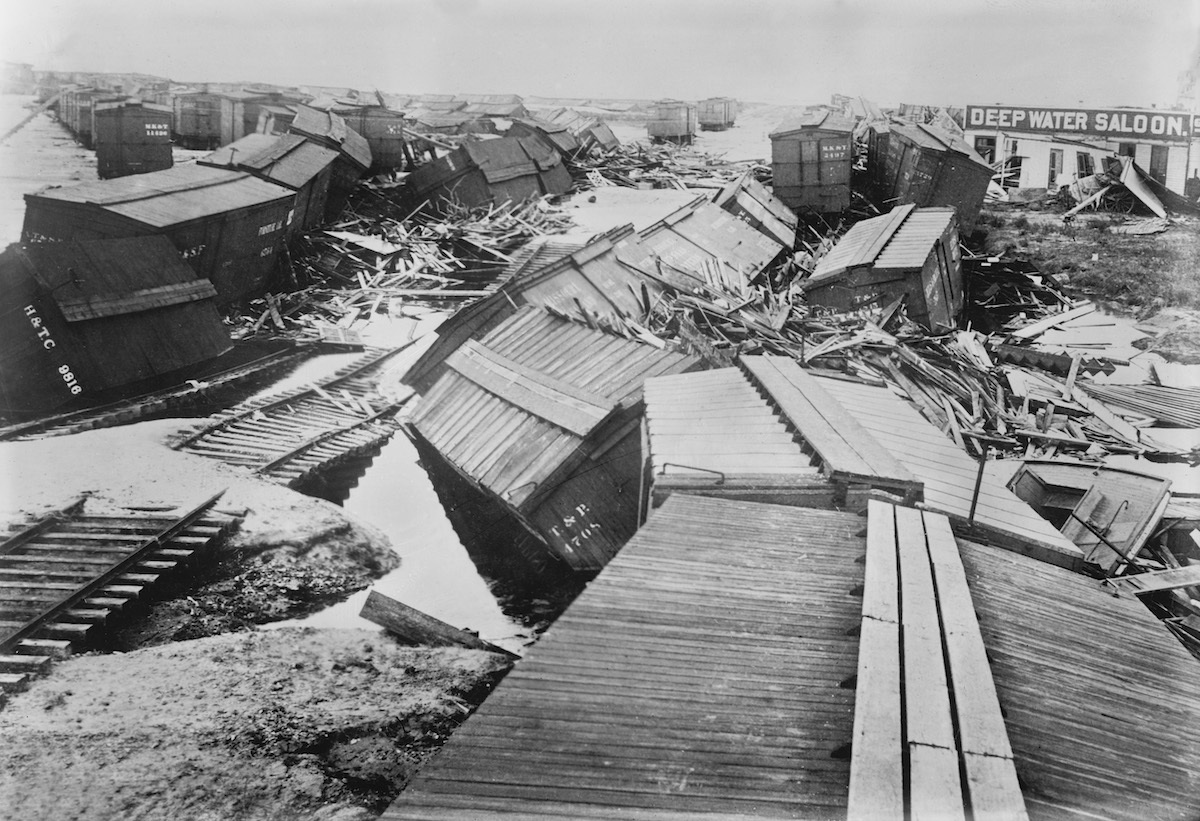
925 166
93 316
701 244
948 474
381 127
590 131
1110 513
289 160
228 226
197 119
542 415
554 134
354 153
712 434
750 200
910 253
605 277
702 675
491 172
131 137
811 158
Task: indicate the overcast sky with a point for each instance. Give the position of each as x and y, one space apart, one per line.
1065 52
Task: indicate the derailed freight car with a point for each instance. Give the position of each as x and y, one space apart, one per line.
590 131
925 166
197 119
289 160
811 160
716 113
382 128
227 225
542 416
491 171
131 137
672 121
558 136
354 153
88 318
910 253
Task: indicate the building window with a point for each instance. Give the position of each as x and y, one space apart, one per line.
1056 168
1127 150
1085 165
1158 163
986 148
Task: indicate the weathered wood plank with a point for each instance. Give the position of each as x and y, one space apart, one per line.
414 626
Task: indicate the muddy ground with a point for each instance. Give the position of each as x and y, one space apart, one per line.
279 725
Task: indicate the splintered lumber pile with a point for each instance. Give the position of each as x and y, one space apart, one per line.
379 257
659 166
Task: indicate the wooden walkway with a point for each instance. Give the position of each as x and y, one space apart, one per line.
948 474
705 673
926 710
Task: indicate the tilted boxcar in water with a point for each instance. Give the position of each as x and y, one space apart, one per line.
811 158
289 160
229 226
605 276
925 166
542 415
131 137
89 317
354 154
716 113
672 121
491 171
908 252
197 116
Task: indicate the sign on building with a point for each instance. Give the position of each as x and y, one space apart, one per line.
1113 123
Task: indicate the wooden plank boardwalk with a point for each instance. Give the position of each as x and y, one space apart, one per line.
929 734
703 674
948 474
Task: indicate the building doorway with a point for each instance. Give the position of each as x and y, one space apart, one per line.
1158 163
1056 169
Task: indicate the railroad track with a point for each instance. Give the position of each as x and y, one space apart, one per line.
66 578
146 405
290 437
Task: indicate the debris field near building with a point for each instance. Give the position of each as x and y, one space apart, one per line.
860 526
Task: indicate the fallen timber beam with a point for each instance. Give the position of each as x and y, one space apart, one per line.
416 627
1143 584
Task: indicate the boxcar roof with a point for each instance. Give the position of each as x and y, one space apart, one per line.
930 137
901 238
325 125
288 159
813 121
516 405
172 196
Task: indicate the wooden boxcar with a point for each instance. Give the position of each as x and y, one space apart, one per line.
79 107
197 119
382 128
604 277
491 171
131 137
558 136
542 415
289 160
354 154
716 113
811 158
590 131
925 166
87 318
229 226
750 201
908 252
672 121
274 119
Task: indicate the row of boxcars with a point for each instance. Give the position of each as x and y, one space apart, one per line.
137 135
676 121
812 159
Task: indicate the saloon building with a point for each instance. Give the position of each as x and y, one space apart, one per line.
1052 147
